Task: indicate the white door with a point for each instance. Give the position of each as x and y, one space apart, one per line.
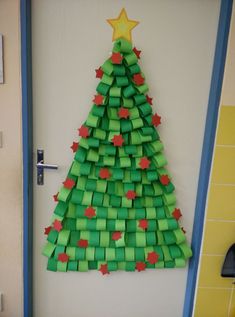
70 40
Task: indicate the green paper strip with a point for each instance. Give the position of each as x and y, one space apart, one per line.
114 92
131 59
48 249
107 67
102 89
129 91
122 45
122 81
134 69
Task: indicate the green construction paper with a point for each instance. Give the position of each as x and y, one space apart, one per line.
48 249
123 46
102 89
142 89
92 121
63 237
131 59
127 102
107 67
114 101
61 208
64 194
119 70
114 92
122 81
108 80
134 69
52 265
129 91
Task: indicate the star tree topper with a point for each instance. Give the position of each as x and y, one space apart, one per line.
122 26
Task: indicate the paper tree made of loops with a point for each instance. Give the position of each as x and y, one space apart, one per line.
116 209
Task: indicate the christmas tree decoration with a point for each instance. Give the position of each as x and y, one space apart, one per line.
117 208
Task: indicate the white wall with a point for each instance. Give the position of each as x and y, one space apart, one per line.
11 164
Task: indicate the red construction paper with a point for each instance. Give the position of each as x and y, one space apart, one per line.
144 163
156 120
57 225
143 223
117 140
90 212
131 194
47 230
116 235
140 266
69 183
55 197
83 131
98 100
74 146
149 100
137 52
99 73
138 79
104 269
152 257
83 243
63 257
116 58
177 213
123 113
165 180
104 173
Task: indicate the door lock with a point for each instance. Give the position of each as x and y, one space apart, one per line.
41 166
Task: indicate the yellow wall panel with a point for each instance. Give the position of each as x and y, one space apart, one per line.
226 129
218 237
212 302
221 204
210 272
224 165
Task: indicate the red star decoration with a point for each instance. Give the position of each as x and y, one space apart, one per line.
90 212
140 266
156 120
177 213
117 140
83 131
55 197
184 231
123 113
149 100
47 230
99 73
57 225
165 180
116 58
69 183
138 79
144 163
63 257
116 235
98 100
131 194
74 146
137 52
104 173
104 269
82 243
152 257
143 223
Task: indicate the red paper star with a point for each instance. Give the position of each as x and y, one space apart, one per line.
63 257
57 225
98 100
117 140
149 100
156 120
90 212
131 194
74 146
116 235
152 257
140 266
99 73
165 180
47 230
138 79
55 197
104 269
144 163
104 173
116 58
69 183
123 113
176 213
143 223
82 243
83 131
137 52
184 231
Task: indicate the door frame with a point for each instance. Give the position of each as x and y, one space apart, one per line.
205 165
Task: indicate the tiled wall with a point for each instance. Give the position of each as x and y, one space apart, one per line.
215 295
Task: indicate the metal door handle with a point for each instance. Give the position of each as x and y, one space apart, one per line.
41 166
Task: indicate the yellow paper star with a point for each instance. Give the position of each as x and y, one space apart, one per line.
122 26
